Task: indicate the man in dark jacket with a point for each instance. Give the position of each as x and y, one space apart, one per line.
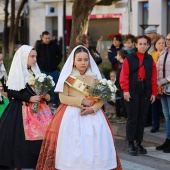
49 57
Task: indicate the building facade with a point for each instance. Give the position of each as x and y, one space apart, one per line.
104 20
151 12
126 16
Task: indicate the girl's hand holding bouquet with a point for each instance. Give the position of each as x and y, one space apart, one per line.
104 91
41 84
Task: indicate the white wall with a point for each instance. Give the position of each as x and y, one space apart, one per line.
163 25
136 17
60 19
155 13
37 21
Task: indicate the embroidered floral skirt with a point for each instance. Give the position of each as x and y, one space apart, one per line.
15 151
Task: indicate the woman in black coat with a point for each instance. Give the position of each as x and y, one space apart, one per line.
21 130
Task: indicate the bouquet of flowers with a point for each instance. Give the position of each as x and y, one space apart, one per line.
104 90
42 84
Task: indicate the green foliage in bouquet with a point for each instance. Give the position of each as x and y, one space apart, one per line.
104 90
42 84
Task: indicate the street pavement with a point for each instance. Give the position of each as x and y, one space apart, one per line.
154 160
157 138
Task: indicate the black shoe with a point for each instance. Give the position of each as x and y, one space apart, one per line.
154 130
141 149
132 150
167 150
54 106
164 145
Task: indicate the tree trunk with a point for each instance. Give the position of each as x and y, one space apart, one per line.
18 18
4 40
12 21
80 12
15 28
80 17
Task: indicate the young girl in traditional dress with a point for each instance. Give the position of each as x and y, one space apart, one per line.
3 77
79 136
21 130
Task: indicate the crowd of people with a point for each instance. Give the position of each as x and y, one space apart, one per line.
141 82
41 140
79 134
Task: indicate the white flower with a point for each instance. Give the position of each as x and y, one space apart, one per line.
109 82
103 81
37 76
53 84
113 97
43 75
41 79
111 88
31 80
115 88
49 77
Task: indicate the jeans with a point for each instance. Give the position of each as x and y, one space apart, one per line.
165 100
55 75
156 112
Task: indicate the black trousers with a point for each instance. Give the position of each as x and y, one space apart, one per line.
137 109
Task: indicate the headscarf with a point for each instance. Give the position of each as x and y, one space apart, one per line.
18 74
68 69
3 72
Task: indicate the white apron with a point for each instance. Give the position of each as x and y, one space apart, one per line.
84 142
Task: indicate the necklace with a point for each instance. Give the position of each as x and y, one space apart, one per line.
83 74
30 71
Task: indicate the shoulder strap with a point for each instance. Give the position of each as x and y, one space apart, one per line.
148 48
164 64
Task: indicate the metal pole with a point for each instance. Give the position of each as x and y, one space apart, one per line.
64 30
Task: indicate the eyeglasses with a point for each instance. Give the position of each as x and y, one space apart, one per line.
167 39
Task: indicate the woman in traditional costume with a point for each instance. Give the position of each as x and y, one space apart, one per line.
21 130
79 136
3 95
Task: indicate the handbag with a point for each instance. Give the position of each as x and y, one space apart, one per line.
166 89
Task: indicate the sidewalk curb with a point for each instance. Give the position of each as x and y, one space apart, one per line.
156 138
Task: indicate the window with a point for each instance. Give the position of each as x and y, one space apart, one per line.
168 16
145 12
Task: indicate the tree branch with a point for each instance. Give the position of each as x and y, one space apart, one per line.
18 15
